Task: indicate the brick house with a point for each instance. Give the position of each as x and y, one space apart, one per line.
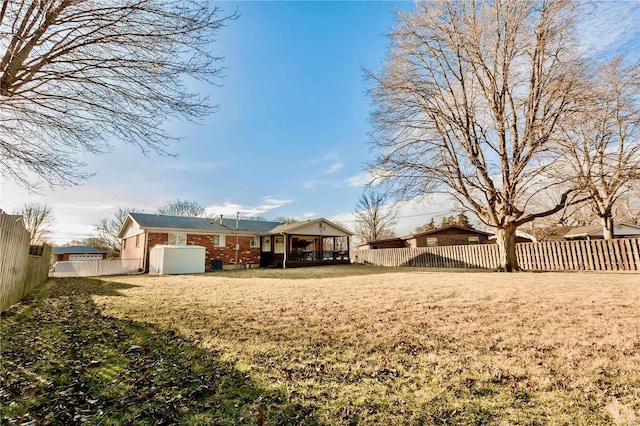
453 235
396 242
259 243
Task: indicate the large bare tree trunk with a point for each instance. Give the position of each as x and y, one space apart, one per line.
607 227
506 239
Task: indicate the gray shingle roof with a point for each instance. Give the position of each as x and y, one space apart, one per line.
146 220
76 249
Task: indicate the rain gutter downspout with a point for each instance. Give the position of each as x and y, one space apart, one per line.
146 254
284 259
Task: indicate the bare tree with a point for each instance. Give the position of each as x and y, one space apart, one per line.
38 220
375 219
468 102
629 207
76 75
601 147
577 214
429 226
182 208
106 232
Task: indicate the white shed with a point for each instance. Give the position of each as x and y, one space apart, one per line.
165 259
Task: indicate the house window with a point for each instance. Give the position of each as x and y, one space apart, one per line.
278 245
219 240
375 247
266 244
432 241
474 240
255 242
124 244
177 238
137 240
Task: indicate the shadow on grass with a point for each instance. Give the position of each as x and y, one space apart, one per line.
306 273
63 362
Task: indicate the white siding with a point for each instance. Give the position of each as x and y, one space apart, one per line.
176 260
132 229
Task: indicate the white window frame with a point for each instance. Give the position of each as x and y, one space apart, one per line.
474 240
255 242
278 245
177 239
219 240
266 244
432 241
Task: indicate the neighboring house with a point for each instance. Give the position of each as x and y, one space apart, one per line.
72 253
453 235
395 242
251 242
594 232
550 233
521 237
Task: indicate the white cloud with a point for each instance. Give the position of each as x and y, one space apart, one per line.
333 168
310 214
230 209
359 181
609 26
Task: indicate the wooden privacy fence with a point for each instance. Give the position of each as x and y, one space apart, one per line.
20 272
95 268
592 255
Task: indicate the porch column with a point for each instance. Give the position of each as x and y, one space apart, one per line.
348 249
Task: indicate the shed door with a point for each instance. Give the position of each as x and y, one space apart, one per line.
85 257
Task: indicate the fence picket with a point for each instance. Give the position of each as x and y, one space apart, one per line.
591 255
20 273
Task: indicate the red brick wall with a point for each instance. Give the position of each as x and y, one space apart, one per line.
246 254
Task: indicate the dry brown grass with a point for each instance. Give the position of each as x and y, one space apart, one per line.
414 347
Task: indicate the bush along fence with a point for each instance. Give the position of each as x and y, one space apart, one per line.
20 272
588 255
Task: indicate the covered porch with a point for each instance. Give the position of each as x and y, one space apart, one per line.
311 243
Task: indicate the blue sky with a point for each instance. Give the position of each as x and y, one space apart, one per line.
290 137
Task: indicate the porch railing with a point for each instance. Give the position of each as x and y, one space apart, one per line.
318 255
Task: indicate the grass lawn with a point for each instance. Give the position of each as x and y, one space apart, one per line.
328 345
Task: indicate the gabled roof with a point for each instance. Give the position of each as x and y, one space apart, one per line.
550 233
294 227
76 249
520 234
596 230
156 221
438 230
227 225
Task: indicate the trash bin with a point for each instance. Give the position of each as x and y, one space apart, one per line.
216 265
